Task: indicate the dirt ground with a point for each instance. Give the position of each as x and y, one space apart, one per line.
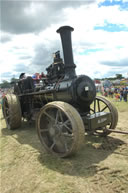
100 166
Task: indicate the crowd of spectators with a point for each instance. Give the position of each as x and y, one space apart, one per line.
119 93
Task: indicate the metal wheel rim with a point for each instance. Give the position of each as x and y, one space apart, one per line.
6 112
106 106
57 130
11 111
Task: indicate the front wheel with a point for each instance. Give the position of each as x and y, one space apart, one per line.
60 128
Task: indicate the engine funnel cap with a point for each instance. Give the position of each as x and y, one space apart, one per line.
63 28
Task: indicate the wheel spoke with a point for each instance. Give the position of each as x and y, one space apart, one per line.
67 121
92 110
94 106
57 116
60 115
6 108
100 128
98 105
104 108
105 128
44 130
64 143
51 147
66 126
67 135
7 117
49 116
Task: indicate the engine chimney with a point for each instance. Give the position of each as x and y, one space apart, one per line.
65 33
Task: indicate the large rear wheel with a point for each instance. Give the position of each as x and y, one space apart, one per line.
11 111
60 128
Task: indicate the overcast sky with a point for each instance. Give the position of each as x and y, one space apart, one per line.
29 38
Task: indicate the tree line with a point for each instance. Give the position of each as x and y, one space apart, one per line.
7 84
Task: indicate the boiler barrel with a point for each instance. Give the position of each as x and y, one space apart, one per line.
80 90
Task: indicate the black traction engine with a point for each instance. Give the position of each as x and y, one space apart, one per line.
64 105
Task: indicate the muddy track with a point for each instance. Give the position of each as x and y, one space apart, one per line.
100 166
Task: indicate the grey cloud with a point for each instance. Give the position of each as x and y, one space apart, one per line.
43 56
25 57
109 74
20 68
5 37
114 71
18 17
6 75
42 59
123 62
17 47
96 72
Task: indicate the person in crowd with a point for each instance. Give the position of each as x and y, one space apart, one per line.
121 94
26 82
117 94
125 92
112 91
36 78
42 75
105 92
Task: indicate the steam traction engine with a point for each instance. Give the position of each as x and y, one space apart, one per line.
64 105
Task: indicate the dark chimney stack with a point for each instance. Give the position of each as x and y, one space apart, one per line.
65 33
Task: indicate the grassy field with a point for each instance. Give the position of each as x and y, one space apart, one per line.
100 166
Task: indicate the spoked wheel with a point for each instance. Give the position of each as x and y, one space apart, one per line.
60 128
101 104
11 111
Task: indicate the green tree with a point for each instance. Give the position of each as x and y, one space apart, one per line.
5 84
14 80
119 76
